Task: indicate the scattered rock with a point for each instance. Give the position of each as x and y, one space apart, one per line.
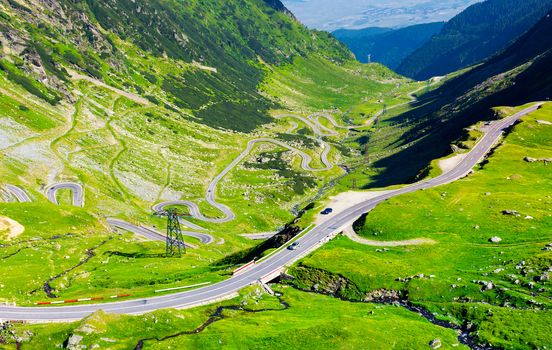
435 343
543 278
511 212
87 329
536 160
529 217
476 227
488 286
73 343
409 278
495 239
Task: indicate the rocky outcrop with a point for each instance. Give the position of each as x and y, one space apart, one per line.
384 296
279 6
324 282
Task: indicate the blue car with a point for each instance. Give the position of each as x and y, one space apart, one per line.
293 246
326 211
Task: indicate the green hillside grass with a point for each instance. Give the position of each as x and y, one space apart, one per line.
314 84
461 217
310 322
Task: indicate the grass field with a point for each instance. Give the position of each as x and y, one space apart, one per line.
464 277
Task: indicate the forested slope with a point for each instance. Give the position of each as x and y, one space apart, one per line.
477 33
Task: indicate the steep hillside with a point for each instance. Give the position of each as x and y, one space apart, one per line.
387 46
219 47
518 75
474 35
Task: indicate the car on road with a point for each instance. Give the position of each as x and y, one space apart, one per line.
326 211
293 246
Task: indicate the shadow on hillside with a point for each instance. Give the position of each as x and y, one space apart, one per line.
441 115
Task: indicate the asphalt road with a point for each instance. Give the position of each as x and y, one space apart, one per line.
272 265
154 235
76 189
212 188
18 193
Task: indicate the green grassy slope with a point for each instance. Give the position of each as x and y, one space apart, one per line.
310 322
213 49
464 277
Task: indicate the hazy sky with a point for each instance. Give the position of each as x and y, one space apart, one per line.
333 14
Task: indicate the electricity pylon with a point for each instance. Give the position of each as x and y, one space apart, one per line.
175 241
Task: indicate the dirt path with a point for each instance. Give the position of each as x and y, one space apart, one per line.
345 200
130 96
451 163
350 232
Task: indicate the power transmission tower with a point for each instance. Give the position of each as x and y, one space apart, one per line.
175 241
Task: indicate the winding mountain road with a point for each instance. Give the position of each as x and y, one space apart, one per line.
228 214
75 188
154 235
18 193
272 266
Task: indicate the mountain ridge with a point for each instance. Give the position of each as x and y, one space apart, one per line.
472 36
202 35
385 45
518 75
